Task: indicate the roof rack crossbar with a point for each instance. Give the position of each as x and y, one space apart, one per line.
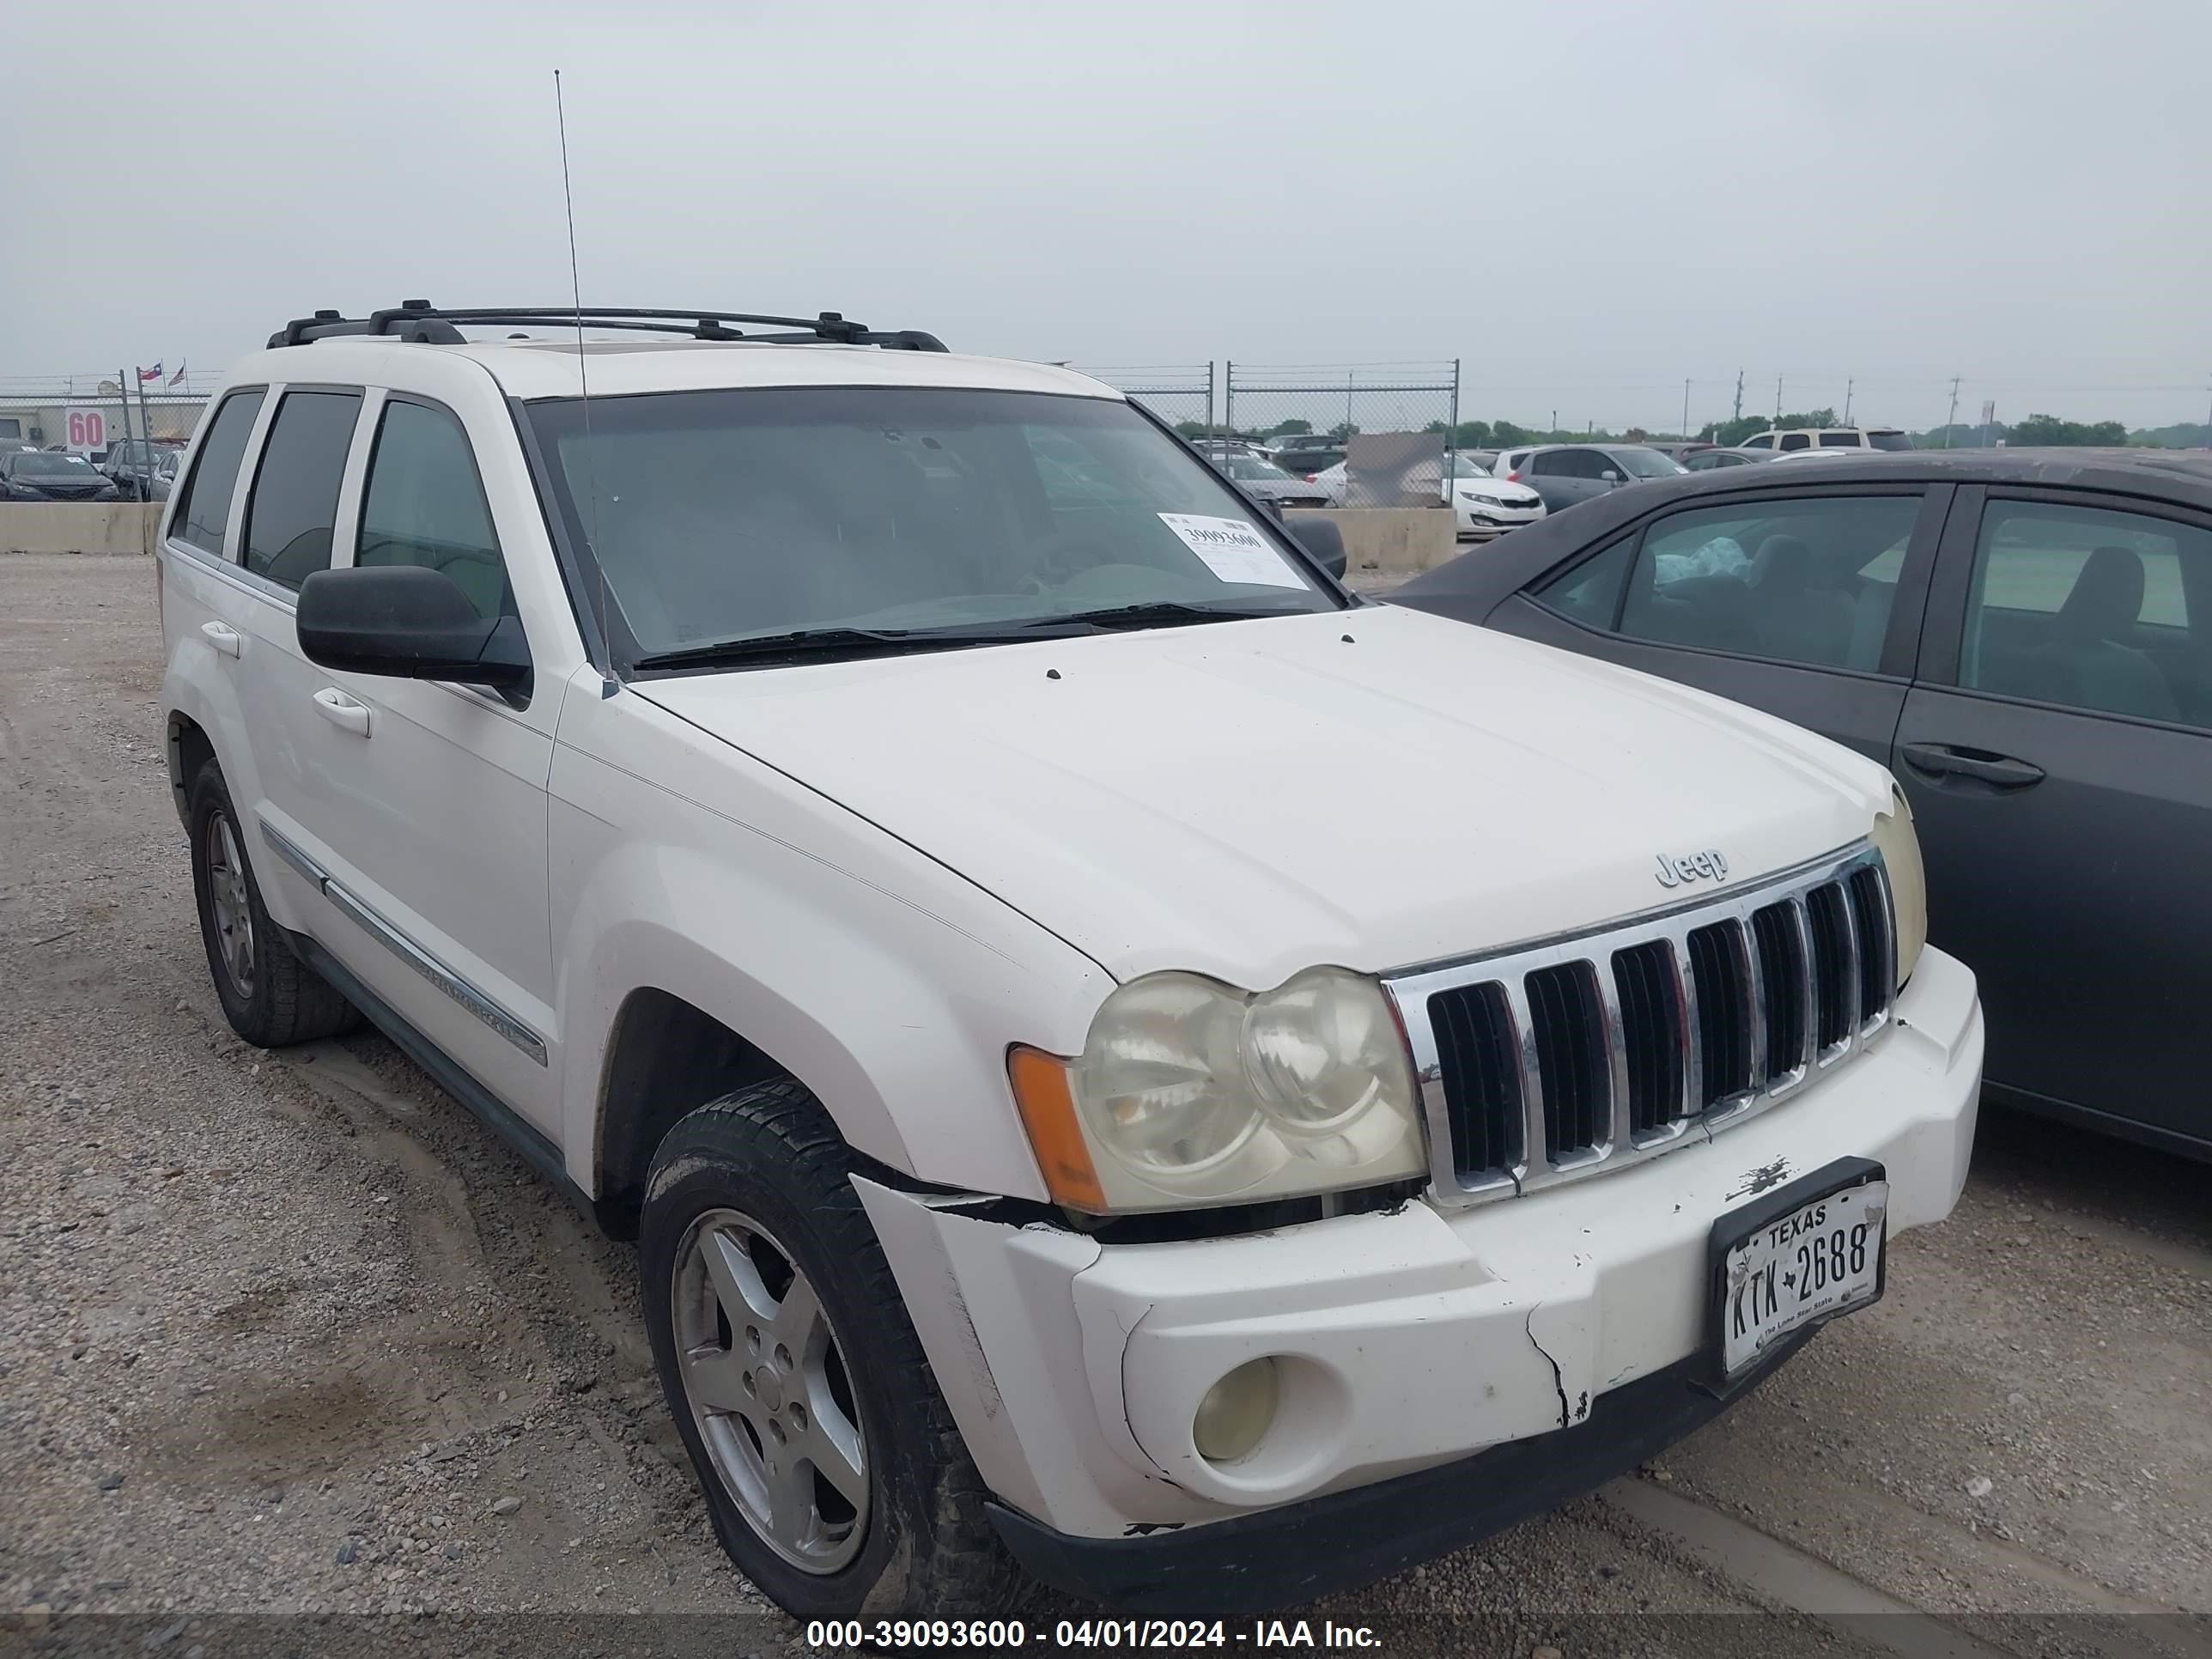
420 321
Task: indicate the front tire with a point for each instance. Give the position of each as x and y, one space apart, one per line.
268 995
835 1477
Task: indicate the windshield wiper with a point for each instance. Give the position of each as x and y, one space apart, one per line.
1169 613
857 641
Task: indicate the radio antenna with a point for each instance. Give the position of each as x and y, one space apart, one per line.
583 381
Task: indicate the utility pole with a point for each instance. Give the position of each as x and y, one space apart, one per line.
1951 419
1685 433
1739 394
1848 385
1778 400
1555 424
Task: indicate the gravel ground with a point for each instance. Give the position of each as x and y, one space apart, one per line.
295 1336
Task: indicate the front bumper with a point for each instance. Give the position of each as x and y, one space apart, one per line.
1483 523
1406 1341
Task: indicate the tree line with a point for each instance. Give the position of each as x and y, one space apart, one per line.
2037 431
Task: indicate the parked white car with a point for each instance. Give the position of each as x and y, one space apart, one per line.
1788 440
1485 507
905 886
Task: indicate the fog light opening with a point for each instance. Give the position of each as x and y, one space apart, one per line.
1236 1412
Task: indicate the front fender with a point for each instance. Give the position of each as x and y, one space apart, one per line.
888 985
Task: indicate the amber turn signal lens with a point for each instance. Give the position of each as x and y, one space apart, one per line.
1047 1104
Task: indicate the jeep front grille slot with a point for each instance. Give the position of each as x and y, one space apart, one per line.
1482 1079
1567 1016
1835 976
1877 959
1557 1059
1651 1032
1776 934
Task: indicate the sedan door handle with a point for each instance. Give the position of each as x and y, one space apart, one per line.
2002 771
342 711
223 638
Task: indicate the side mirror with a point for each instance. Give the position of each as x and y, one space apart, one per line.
412 622
1610 475
1321 538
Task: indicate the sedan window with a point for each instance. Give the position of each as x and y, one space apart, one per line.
2090 609
1807 581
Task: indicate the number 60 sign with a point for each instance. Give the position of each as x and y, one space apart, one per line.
86 429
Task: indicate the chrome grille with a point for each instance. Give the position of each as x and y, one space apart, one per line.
1553 1060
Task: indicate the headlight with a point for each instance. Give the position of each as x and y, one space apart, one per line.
1899 846
1188 1093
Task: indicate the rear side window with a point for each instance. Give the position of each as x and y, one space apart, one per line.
2090 609
203 506
424 505
294 508
1804 580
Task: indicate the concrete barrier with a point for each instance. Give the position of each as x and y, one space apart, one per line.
1395 540
78 526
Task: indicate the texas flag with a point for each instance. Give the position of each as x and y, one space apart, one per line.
146 374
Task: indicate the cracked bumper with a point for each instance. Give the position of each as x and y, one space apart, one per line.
1404 1341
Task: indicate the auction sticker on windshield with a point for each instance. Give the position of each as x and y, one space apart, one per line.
1232 549
1804 1256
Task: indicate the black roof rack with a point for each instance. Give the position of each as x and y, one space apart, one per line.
419 321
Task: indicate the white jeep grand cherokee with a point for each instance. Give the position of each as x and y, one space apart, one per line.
1124 1061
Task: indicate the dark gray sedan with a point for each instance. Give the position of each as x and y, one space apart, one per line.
1567 474
2024 637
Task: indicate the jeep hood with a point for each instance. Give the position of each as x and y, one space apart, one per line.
1371 788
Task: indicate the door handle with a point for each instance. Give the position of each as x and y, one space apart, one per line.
342 711
223 638
2002 771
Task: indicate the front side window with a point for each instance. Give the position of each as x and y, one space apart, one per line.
1589 593
724 516
1796 440
1808 581
294 508
203 508
2090 609
424 504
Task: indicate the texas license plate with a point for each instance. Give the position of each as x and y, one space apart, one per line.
1803 1254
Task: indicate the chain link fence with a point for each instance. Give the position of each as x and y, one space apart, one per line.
87 414
1392 426
1180 394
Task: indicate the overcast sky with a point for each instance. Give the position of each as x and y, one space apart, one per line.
1585 203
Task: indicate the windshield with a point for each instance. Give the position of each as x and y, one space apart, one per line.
1646 462
36 464
1463 466
1889 440
725 515
1253 471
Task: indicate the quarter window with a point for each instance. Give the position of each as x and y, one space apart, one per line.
2090 609
1808 581
424 505
202 509
1840 440
294 508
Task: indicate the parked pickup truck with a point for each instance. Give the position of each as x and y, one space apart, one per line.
1125 1065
